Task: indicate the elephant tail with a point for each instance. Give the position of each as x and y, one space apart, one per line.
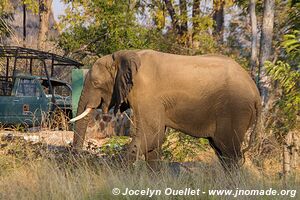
254 126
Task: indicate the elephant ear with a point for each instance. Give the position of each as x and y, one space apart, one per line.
128 64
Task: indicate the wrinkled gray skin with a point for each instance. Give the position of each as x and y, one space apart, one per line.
206 96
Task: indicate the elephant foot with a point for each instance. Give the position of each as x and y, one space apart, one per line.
154 165
230 164
153 159
132 154
172 168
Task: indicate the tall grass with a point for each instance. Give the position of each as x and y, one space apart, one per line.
37 171
34 172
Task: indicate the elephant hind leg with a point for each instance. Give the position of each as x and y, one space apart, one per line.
229 154
229 136
215 147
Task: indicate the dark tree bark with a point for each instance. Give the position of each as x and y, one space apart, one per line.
218 16
266 47
196 13
24 24
44 13
195 16
183 16
254 49
174 19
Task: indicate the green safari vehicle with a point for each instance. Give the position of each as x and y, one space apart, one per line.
26 98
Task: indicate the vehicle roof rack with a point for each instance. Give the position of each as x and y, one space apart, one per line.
26 53
15 52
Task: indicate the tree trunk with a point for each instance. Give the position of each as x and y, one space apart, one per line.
183 16
290 154
294 151
195 16
44 13
24 25
287 155
254 50
218 16
174 19
266 47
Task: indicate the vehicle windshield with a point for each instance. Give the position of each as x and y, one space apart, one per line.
62 90
27 88
59 88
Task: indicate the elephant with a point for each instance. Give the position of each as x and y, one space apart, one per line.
206 96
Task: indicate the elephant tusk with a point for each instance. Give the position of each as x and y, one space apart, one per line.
82 115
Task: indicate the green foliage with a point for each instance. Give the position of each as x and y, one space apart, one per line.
182 148
293 22
4 5
114 145
288 101
5 15
207 43
290 41
291 44
32 5
177 146
102 27
286 75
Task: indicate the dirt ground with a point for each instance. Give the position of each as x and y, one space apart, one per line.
98 131
55 138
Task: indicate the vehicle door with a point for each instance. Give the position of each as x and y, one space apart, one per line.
6 100
30 102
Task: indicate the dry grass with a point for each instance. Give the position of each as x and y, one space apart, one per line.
32 171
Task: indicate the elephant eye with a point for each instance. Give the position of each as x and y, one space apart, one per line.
96 84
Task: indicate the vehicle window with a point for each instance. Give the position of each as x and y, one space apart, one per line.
62 90
45 86
6 86
27 88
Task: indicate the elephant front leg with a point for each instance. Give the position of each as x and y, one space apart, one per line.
153 158
147 137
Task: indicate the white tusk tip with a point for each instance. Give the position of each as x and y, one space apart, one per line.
82 115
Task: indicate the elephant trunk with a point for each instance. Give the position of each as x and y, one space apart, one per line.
81 124
89 100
